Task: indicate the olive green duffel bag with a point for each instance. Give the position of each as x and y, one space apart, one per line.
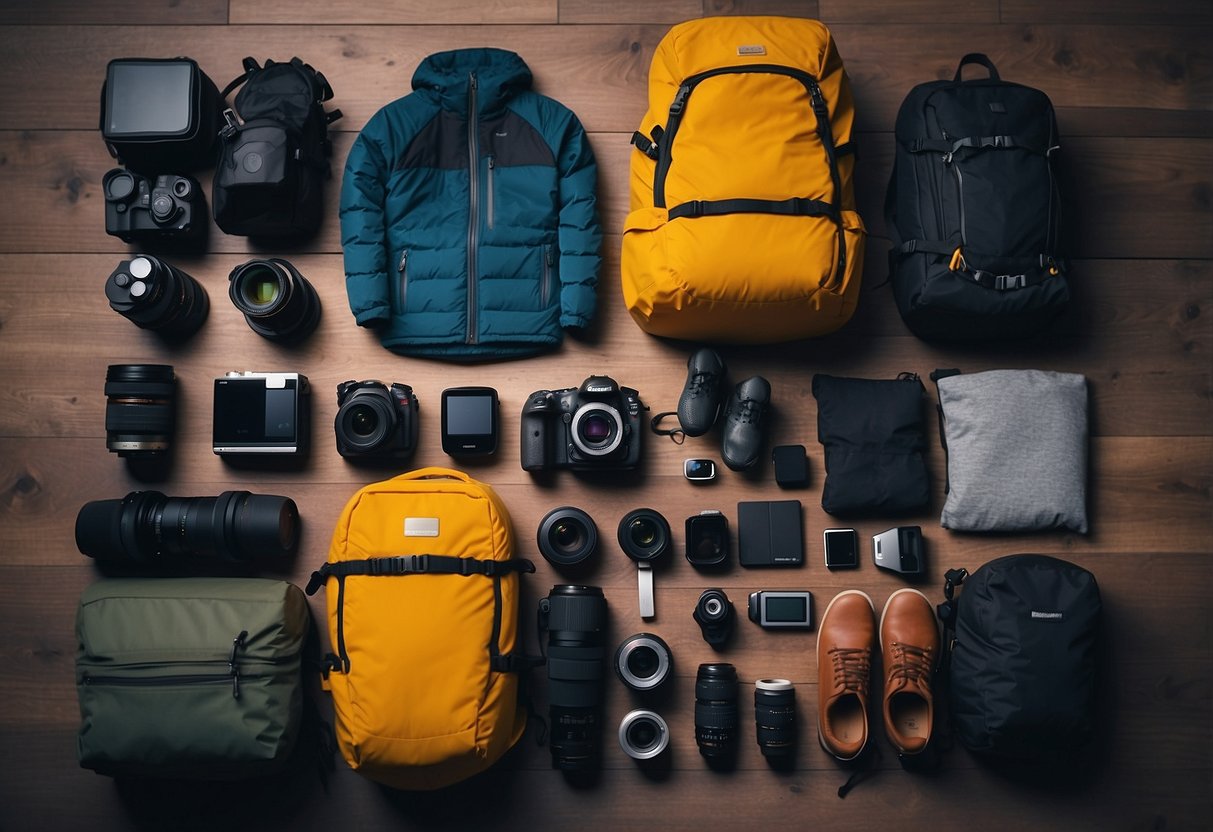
193 678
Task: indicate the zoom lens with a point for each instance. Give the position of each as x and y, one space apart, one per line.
643 735
567 536
278 303
147 526
575 619
643 662
644 534
154 295
716 711
775 717
139 409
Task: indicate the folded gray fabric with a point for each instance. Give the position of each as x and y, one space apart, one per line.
1016 442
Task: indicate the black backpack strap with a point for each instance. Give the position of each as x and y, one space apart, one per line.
794 207
250 66
416 565
976 58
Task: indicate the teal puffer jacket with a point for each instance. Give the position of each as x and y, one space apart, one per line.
468 214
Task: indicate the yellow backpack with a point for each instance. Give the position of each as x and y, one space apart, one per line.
423 617
742 225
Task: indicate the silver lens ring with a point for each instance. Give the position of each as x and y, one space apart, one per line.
591 408
648 723
643 641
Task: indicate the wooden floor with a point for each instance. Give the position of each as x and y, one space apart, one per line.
1133 85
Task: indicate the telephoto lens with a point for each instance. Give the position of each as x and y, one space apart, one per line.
643 735
154 295
716 712
575 618
148 527
278 303
567 536
643 662
775 718
139 409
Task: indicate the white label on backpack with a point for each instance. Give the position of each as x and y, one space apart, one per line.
421 527
1048 616
752 49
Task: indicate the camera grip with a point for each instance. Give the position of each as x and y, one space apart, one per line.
535 439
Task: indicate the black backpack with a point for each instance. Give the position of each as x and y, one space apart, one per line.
274 159
973 210
1024 642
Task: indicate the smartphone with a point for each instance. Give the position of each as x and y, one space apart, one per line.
842 548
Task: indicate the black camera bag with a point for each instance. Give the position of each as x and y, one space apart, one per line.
973 210
274 158
874 435
160 116
1021 678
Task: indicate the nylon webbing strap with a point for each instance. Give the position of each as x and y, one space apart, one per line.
794 207
928 145
417 565
944 247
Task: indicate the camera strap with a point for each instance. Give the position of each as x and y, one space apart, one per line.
677 436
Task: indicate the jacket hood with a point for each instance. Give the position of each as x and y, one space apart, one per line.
500 75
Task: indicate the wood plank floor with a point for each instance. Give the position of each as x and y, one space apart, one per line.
1133 85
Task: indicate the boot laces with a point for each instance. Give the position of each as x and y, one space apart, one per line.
911 663
748 411
852 667
701 382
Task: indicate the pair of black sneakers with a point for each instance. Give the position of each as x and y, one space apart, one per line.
745 411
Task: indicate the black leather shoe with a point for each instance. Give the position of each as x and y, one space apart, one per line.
745 423
699 404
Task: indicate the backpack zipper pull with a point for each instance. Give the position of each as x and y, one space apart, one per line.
232 669
230 128
404 259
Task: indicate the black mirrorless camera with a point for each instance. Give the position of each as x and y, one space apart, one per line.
140 209
374 420
591 427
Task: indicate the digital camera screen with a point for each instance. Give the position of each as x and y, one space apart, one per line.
469 415
247 411
149 98
785 609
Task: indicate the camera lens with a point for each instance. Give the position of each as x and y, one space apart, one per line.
576 625
364 422
597 429
567 536
644 534
118 185
775 717
154 295
716 711
643 735
163 207
643 662
277 301
139 409
147 526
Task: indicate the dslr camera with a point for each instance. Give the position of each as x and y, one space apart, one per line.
592 427
139 209
374 420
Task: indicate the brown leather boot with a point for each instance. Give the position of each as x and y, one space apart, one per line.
909 646
846 638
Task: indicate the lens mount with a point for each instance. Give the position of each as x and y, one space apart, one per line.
643 662
567 536
596 429
644 535
643 734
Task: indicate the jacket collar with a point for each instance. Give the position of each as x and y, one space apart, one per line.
500 75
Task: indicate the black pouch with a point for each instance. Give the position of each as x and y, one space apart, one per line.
160 115
874 436
274 159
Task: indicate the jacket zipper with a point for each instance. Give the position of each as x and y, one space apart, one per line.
232 675
473 205
403 268
545 290
491 188
824 131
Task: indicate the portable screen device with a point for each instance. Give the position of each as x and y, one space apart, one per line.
469 421
699 470
786 609
261 413
842 548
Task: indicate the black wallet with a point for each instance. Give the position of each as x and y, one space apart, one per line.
770 533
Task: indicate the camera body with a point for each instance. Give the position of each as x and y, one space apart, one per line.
592 427
375 420
261 413
142 209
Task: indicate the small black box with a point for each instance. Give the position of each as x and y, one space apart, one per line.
770 533
791 466
160 116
